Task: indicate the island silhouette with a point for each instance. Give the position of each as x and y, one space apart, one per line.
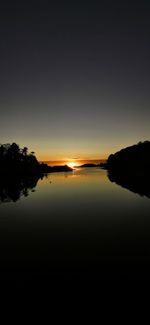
88 165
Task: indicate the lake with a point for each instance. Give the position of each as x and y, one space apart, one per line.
78 221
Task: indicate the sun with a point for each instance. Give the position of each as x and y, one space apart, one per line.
71 164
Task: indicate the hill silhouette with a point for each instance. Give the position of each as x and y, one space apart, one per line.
130 168
88 165
131 159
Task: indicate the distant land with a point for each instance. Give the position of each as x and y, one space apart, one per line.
77 162
133 159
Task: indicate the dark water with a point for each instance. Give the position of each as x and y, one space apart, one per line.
74 222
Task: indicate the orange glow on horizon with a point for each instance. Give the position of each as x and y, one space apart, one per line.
42 157
72 164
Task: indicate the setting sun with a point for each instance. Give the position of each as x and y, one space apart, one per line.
71 164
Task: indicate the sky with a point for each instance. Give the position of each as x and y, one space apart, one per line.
74 76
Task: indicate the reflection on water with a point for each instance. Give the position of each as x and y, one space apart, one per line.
137 183
12 188
73 222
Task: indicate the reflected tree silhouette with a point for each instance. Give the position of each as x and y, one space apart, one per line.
138 182
12 188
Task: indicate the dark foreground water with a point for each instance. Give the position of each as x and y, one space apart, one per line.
74 222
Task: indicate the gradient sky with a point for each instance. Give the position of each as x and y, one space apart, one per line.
74 76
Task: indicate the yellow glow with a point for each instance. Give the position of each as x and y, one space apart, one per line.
71 164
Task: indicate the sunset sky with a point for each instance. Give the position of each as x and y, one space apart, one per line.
74 76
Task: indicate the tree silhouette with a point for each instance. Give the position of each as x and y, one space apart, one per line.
133 158
14 159
25 151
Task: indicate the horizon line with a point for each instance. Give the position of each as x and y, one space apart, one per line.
69 159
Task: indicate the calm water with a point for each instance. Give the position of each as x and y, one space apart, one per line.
74 221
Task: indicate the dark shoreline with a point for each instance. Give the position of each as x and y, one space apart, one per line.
18 161
40 171
53 169
88 165
130 168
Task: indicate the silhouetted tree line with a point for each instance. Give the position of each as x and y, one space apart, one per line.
20 161
20 171
132 159
14 158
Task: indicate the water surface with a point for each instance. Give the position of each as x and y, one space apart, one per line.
76 221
